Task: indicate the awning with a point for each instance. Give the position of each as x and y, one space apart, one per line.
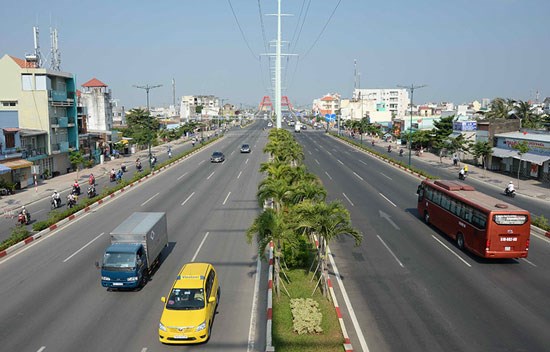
17 164
4 169
11 129
504 153
533 158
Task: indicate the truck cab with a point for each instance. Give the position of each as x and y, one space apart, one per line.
124 266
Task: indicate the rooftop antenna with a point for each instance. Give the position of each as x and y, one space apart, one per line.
354 75
55 63
35 58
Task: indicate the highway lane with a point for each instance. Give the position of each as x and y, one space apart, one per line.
410 287
40 210
56 300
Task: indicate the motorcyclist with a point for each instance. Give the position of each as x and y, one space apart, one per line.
112 174
510 188
389 148
71 200
119 175
76 187
56 199
465 169
462 174
91 179
25 214
123 167
401 152
138 164
91 191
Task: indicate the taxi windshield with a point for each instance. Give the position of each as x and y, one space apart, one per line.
185 299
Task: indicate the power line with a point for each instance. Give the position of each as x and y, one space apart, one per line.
240 29
323 30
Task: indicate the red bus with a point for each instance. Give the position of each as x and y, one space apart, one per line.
486 226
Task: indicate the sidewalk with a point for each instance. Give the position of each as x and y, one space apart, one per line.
64 182
530 188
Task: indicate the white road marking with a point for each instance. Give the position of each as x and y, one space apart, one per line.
246 161
348 304
41 349
185 201
213 172
200 245
86 245
450 250
144 349
329 153
328 175
386 176
361 161
39 211
531 263
348 200
340 161
316 149
309 152
202 162
358 176
391 252
232 153
179 178
228 194
253 310
383 196
317 161
142 204
239 175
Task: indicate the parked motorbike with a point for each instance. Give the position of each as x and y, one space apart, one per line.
24 219
509 193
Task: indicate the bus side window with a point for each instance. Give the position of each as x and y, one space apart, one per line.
467 213
420 192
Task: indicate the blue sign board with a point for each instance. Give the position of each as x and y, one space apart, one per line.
330 117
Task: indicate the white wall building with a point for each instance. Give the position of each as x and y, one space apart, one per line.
119 113
97 100
394 100
210 107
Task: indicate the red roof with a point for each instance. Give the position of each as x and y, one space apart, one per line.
94 82
327 98
22 63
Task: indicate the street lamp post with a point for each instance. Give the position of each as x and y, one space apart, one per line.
411 88
147 88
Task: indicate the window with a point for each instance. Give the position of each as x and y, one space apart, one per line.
26 82
9 103
10 139
40 82
479 219
436 197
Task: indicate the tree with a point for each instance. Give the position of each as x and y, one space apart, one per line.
142 127
443 128
524 110
77 160
499 109
483 150
422 137
522 148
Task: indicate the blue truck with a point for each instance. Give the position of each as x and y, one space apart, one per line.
136 246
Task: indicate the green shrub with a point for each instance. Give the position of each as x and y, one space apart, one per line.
306 316
541 221
298 255
18 234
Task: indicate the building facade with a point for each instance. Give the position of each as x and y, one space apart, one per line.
43 103
395 100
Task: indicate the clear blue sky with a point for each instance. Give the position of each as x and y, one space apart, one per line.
463 49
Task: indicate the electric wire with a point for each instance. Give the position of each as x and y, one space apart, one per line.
323 30
266 45
241 30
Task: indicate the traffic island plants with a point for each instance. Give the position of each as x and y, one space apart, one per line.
20 233
295 218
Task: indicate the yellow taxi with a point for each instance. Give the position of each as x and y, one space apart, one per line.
191 304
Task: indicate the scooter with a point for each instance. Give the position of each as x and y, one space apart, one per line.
71 202
76 190
461 176
56 203
24 220
389 148
112 177
509 193
91 192
123 168
400 152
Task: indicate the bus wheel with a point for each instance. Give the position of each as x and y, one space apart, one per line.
460 241
426 218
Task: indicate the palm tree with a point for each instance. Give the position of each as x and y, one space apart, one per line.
524 110
305 190
275 169
483 150
275 189
328 221
500 109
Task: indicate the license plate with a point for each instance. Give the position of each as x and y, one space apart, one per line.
117 283
507 248
181 337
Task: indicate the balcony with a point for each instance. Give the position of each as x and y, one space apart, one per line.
35 153
61 147
62 122
61 98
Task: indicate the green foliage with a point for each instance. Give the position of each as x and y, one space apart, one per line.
306 317
18 234
522 147
142 127
76 159
299 254
540 221
443 128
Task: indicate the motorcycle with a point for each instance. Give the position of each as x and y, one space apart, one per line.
119 175
23 219
509 193
462 176
401 152
71 202
123 168
389 148
91 192
56 203
76 190
112 177
139 167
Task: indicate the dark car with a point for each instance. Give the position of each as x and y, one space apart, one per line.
217 157
245 148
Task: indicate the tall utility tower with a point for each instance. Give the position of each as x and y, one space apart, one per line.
36 57
55 53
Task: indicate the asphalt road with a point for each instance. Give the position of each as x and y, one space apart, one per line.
41 209
51 295
411 289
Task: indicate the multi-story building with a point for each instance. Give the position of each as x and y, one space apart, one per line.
210 107
42 101
396 101
119 114
329 104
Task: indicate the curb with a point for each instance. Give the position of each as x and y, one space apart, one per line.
73 216
541 232
268 332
